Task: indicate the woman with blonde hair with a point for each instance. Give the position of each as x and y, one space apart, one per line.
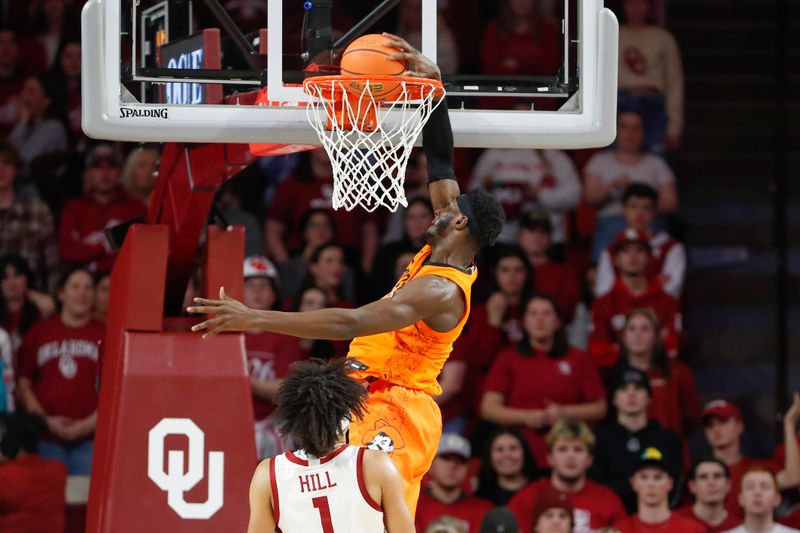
140 172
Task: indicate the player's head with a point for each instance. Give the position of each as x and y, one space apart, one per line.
474 219
759 494
722 422
640 206
569 450
710 481
316 401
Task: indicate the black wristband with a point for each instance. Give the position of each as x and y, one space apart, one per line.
437 143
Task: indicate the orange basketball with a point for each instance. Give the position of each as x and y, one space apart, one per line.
369 55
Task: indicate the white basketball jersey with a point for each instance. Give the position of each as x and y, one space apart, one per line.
326 495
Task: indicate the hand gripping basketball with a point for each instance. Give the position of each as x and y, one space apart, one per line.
419 66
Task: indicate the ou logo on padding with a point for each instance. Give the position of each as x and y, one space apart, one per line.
175 481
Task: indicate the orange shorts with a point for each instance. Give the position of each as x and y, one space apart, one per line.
407 424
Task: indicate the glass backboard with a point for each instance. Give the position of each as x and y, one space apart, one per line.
201 70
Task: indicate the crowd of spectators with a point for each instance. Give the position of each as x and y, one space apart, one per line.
567 403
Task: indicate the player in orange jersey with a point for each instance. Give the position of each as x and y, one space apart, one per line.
401 341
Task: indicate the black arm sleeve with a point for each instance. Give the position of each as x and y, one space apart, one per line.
437 143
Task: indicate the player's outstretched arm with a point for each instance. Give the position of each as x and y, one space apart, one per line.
437 135
428 296
385 486
262 519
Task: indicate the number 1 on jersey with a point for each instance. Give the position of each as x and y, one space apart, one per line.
321 504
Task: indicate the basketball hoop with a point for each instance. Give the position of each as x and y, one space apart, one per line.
368 126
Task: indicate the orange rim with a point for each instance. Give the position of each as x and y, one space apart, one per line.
416 88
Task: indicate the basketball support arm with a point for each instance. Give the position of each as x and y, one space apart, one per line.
188 179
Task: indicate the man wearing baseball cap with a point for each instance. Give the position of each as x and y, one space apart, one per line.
652 482
269 355
82 236
558 280
723 426
635 288
445 495
620 442
668 256
570 447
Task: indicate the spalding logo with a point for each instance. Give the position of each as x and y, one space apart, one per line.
128 112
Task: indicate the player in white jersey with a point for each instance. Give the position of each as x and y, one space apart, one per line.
327 486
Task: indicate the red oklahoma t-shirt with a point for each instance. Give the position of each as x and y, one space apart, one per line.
675 524
595 506
32 495
536 380
269 356
62 364
468 509
729 523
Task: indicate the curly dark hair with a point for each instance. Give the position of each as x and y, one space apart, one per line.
313 401
489 216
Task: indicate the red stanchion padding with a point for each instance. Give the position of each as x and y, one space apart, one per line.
224 260
187 450
174 446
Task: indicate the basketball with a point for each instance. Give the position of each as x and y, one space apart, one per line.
369 55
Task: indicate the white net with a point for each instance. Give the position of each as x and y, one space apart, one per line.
369 141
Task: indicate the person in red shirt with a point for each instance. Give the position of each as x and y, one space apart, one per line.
59 362
445 495
557 280
668 256
723 425
269 355
710 482
492 327
652 483
84 220
520 41
542 379
310 187
675 401
32 489
634 289
570 446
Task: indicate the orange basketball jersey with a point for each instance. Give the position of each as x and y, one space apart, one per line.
413 356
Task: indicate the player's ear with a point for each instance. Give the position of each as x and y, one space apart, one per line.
461 221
